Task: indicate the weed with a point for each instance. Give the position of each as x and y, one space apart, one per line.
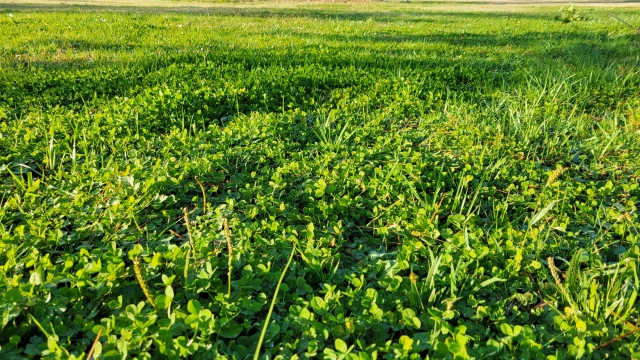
568 14
137 269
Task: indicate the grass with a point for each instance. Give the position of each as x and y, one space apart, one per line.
454 184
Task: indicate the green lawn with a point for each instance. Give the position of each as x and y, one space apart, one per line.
449 183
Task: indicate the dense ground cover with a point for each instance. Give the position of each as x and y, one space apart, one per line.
449 184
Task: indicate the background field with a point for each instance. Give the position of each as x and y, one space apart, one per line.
219 6
452 183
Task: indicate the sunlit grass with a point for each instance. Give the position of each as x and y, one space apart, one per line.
454 183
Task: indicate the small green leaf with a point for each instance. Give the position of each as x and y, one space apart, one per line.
169 292
406 342
162 301
506 329
231 330
133 253
542 213
341 346
15 339
194 307
14 295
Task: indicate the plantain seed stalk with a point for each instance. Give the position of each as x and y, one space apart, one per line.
137 269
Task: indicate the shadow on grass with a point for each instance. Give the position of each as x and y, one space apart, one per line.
303 72
382 50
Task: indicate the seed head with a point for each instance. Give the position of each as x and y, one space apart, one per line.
137 269
554 175
413 278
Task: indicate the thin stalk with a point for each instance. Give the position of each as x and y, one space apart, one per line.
93 347
618 338
204 196
186 222
273 304
626 23
186 266
227 235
